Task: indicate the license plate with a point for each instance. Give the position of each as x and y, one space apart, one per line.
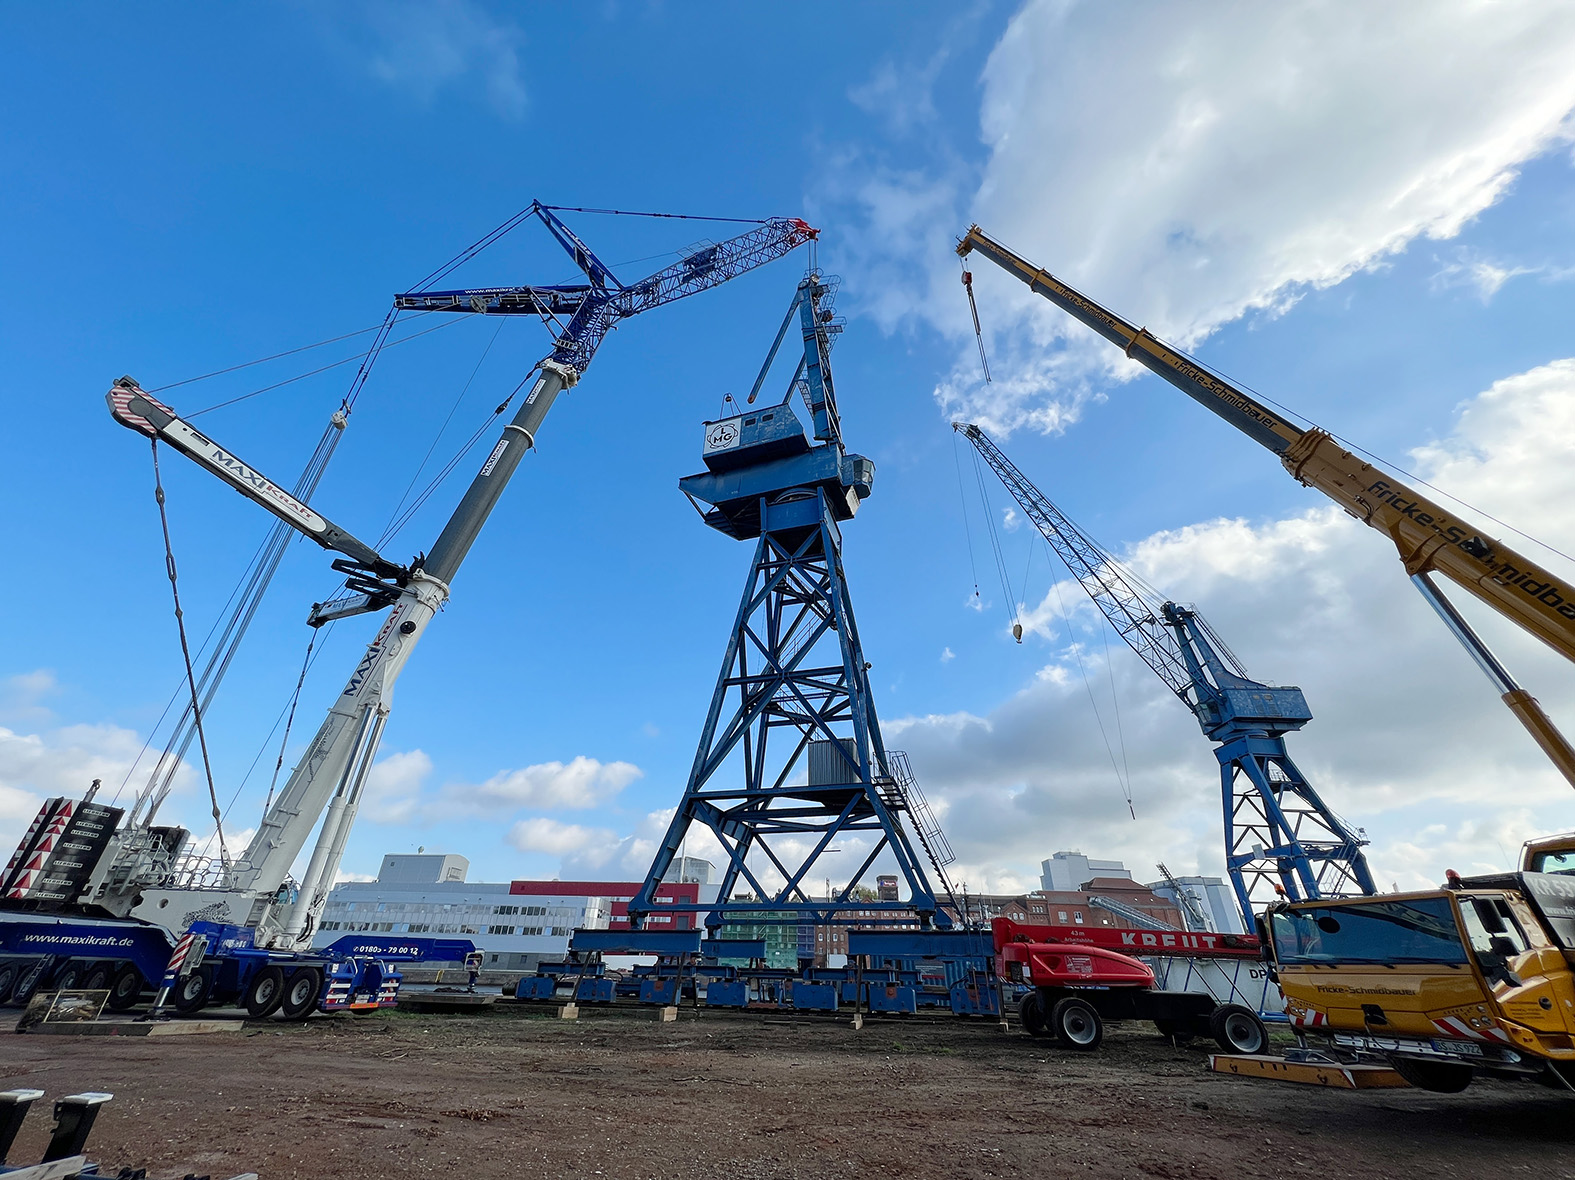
1458 1048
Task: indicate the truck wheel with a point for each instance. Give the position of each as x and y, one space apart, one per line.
28 982
125 989
301 991
8 974
1441 1077
1076 1025
1238 1029
265 993
96 978
1031 1011
191 993
66 978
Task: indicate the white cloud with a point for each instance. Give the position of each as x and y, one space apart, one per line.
1202 162
65 761
445 44
393 787
541 834
947 655
21 696
1408 740
575 785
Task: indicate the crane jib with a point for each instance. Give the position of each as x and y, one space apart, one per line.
1426 536
1234 405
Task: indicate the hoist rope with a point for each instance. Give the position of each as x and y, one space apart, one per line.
295 698
1125 785
185 650
395 526
962 498
978 332
438 437
995 541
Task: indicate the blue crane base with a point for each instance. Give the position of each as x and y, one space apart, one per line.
793 722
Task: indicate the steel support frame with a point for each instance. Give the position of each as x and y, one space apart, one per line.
1279 831
795 602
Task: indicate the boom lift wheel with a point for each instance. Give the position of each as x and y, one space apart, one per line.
1076 1025
301 991
125 989
191 993
1441 1077
1031 1011
265 993
1238 1029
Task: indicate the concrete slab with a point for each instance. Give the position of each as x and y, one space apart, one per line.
132 1028
443 1001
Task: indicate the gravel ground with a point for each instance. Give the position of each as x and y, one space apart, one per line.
519 1094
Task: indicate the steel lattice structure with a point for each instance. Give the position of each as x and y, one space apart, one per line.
1279 833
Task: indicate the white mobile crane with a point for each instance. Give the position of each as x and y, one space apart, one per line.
84 897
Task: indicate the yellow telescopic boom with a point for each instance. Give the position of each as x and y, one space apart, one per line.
1429 538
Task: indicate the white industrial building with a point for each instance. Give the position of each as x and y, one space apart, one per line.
1069 871
416 894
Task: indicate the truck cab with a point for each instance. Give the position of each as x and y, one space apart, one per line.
1474 978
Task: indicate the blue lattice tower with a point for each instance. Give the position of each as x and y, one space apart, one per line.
791 757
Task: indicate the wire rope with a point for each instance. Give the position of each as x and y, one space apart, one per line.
262 360
191 678
360 356
1124 785
962 498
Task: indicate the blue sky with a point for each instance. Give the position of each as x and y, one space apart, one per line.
1371 223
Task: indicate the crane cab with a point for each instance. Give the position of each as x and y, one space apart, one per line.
1445 984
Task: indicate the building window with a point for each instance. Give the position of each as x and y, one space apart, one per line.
500 930
1078 917
1061 915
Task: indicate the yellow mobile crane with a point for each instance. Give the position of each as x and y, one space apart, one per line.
1477 977
1429 538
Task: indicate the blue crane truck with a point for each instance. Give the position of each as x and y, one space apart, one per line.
212 964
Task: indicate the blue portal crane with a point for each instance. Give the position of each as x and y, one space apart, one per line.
791 760
1278 831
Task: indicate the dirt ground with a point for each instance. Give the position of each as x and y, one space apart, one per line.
523 1095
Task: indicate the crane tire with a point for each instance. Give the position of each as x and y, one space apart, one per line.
1076 1025
1237 1029
125 988
96 976
8 975
69 975
1031 1011
265 993
30 979
301 990
1441 1077
190 994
